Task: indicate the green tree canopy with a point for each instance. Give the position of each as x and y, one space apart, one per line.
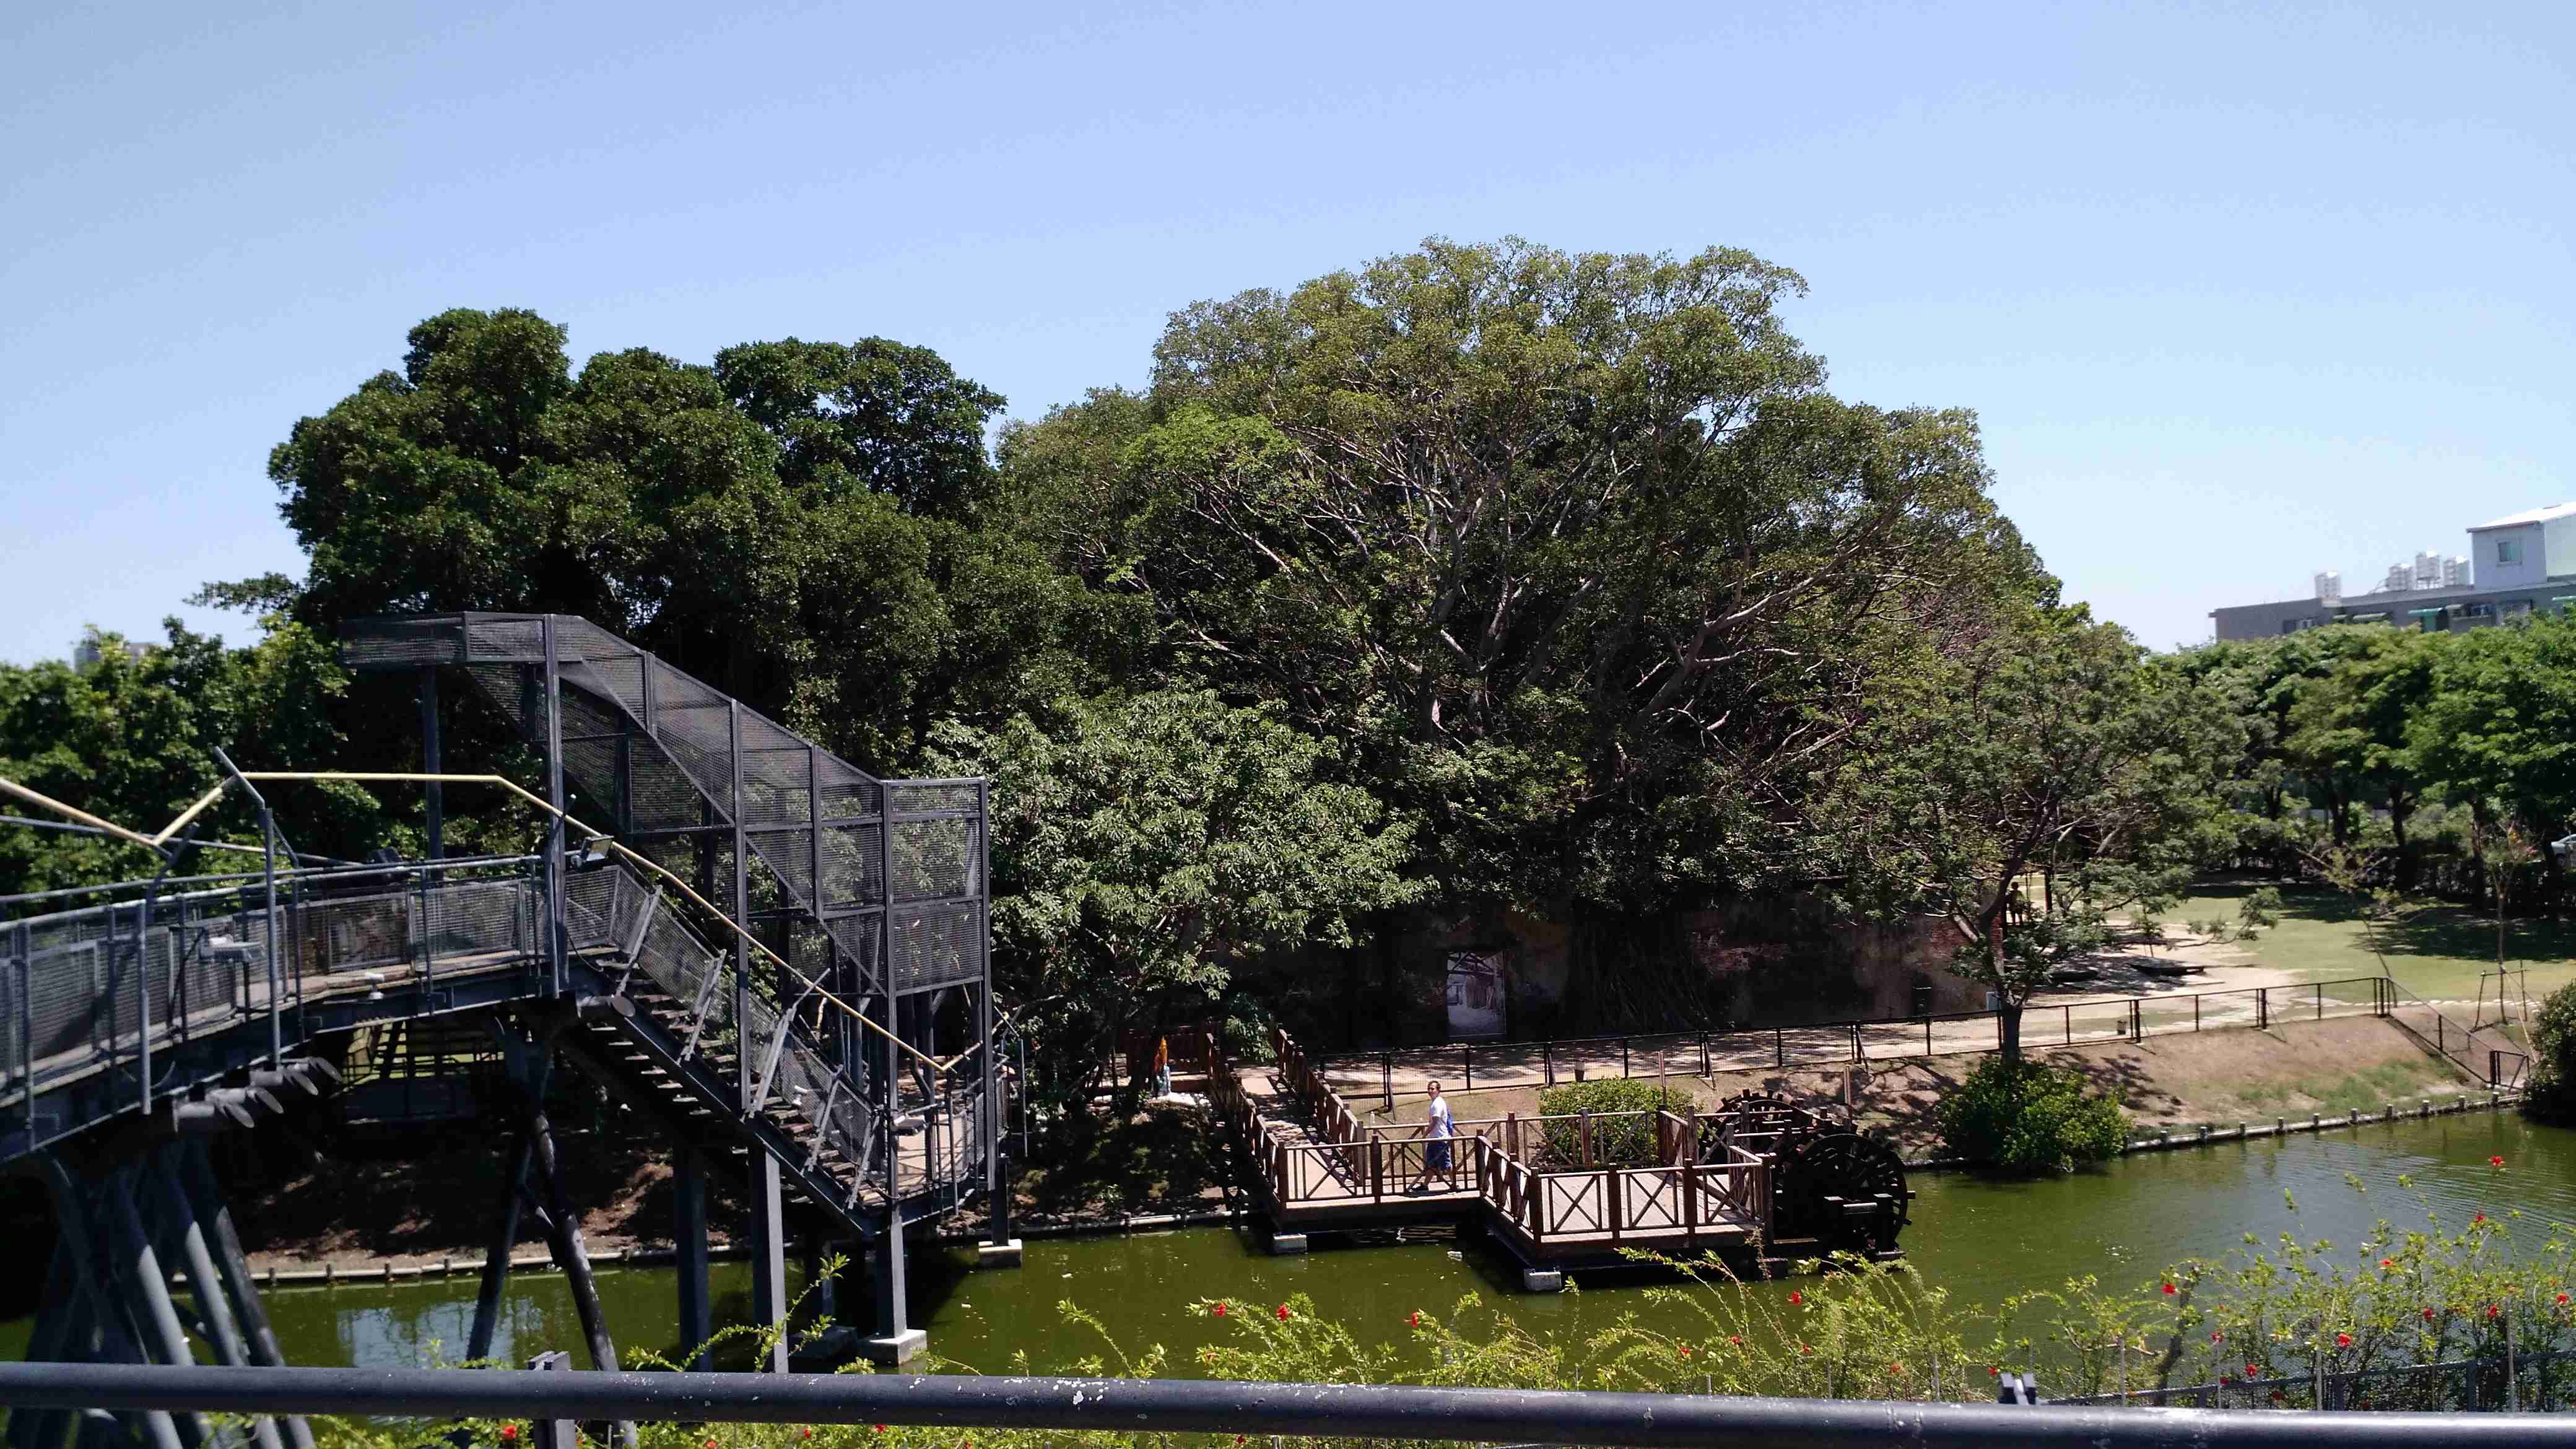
132 740
1574 550
1148 847
793 523
2056 748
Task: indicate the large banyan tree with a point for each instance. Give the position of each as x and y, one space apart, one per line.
1574 552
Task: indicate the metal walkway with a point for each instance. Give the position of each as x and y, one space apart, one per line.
777 955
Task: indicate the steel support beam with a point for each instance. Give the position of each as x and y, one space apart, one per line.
555 942
213 1297
434 796
139 1277
689 1239
215 1219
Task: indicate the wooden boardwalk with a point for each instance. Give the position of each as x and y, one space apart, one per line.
1321 1168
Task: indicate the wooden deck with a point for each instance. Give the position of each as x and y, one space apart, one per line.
1321 1168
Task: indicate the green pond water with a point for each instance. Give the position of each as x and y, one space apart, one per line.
1982 1239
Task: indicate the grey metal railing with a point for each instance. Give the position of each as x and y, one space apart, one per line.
1185 1406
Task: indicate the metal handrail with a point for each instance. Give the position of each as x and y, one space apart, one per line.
1176 1406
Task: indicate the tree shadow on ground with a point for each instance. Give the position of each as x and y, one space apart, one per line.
1166 1158
2442 930
439 1191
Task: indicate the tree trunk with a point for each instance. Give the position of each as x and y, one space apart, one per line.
2400 809
2008 1010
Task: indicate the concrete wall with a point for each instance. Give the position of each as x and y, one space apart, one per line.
1773 960
2531 567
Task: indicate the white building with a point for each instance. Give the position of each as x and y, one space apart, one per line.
2515 565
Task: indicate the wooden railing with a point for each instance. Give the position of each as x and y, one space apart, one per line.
1350 1161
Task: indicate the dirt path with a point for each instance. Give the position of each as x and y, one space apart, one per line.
2179 1080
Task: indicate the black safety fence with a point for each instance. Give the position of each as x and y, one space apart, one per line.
1182 1406
1472 1066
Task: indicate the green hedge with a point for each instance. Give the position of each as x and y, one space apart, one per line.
2031 1117
2550 1092
1629 1141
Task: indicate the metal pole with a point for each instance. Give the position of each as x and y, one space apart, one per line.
206 1197
434 793
496 1255
768 1234
555 819
148 1287
1178 1406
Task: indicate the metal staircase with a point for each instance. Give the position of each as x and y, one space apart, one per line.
854 1046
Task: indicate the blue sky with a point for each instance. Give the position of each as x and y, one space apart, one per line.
2240 292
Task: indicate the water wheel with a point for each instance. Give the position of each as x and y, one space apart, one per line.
1747 1120
1814 1167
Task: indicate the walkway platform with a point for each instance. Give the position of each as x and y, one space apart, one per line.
1712 1185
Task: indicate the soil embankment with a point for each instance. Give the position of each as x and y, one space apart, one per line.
2220 1077
438 1203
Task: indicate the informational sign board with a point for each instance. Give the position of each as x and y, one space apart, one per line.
1477 1011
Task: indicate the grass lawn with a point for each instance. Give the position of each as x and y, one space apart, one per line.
2436 955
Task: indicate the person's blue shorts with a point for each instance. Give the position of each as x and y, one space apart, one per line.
1435 1154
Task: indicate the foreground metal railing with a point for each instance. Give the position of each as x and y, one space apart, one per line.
1166 1406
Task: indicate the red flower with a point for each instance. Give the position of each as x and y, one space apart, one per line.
2386 1263
1738 1342
2494 1312
1994 1373
2482 1217
1238 1438
509 1432
1283 1313
1796 1299
2171 1289
2562 1300
1219 1310
2495 1162
805 1433
1686 1350
2343 1340
2218 1338
2253 1370
2428 1315
1416 1320
711 1444
1802 1348
1896 1368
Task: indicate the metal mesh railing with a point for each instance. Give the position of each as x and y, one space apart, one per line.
101 988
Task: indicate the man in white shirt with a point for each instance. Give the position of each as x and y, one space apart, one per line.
1439 1145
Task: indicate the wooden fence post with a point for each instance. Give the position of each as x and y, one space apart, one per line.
1583 1135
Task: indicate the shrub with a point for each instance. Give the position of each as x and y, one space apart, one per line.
1627 1140
2031 1117
2550 1092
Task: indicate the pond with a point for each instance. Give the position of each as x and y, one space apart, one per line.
1982 1239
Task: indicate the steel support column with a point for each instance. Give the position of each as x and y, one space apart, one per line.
433 795
146 1286
108 1311
555 820
180 1228
215 1219
689 1241
768 1236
